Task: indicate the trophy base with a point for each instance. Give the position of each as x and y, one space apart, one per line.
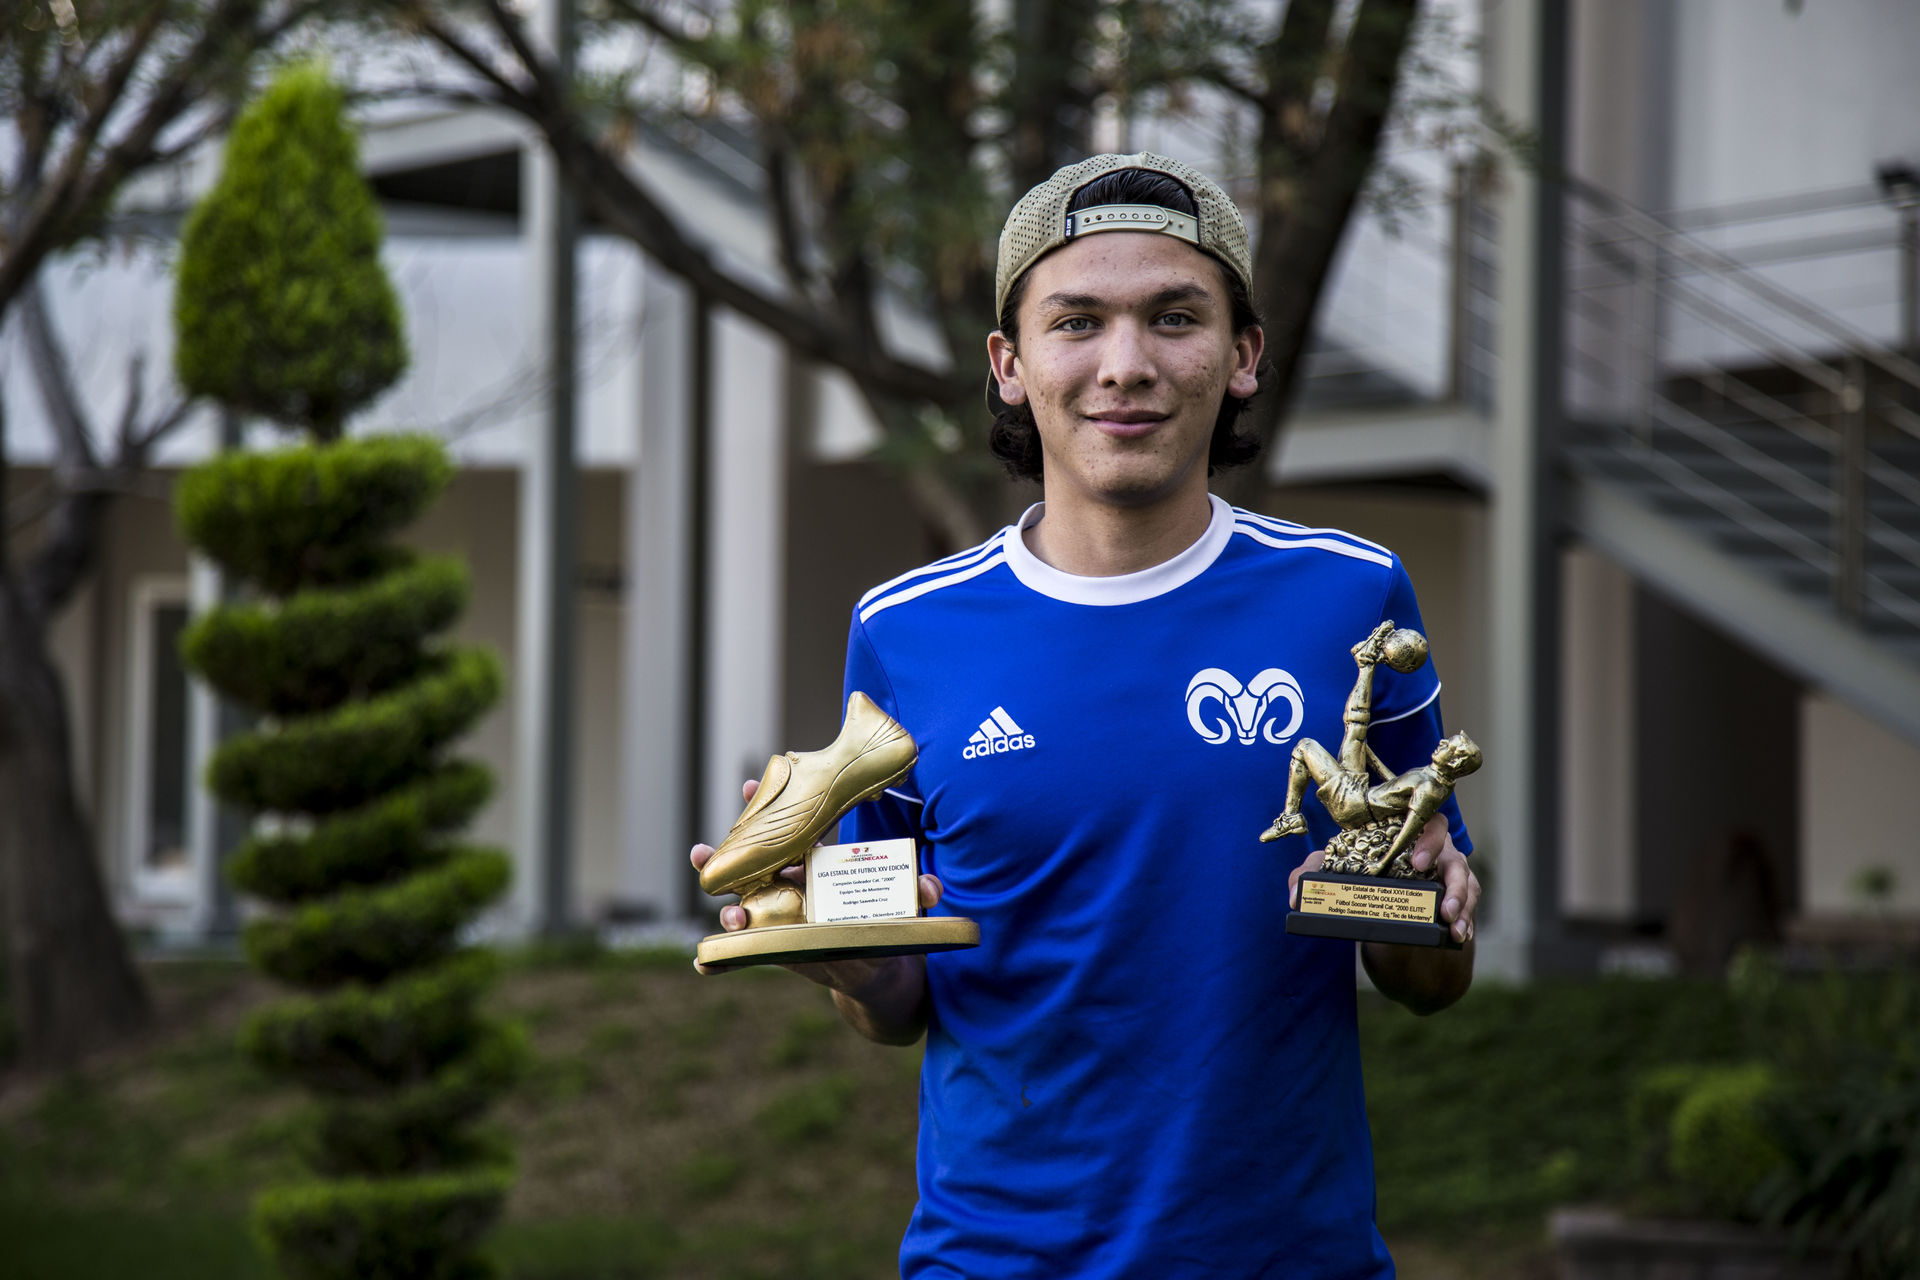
1371 909
867 939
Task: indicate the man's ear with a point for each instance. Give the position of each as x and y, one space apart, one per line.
1004 363
1247 349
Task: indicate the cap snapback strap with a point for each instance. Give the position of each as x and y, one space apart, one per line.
1134 217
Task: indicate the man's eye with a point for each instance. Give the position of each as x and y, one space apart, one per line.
1177 319
1075 324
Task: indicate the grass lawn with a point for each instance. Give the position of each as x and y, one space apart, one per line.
683 1127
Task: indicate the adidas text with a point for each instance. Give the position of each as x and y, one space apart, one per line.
999 746
997 735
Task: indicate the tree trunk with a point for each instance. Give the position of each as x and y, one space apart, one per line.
72 986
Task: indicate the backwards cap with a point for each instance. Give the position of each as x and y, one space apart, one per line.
1040 223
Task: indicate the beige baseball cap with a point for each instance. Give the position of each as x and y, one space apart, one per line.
1040 223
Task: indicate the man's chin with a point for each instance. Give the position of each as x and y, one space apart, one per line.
1135 490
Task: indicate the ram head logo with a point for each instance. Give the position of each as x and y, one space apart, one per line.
1245 711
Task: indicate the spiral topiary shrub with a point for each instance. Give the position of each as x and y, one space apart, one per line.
333 636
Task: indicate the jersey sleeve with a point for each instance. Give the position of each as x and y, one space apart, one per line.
1406 708
896 811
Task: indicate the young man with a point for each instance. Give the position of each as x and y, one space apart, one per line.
1138 1073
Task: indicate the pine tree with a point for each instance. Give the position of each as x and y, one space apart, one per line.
284 311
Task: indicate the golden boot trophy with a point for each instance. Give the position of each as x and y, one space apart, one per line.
1367 889
801 796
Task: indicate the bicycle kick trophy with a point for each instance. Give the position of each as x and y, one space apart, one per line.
1368 890
861 899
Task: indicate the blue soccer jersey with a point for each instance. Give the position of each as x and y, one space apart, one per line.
1138 1072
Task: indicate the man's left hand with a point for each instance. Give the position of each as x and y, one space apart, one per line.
1424 979
1461 895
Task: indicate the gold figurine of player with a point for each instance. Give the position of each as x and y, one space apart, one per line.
1379 820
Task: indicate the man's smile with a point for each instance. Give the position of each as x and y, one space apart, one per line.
1125 424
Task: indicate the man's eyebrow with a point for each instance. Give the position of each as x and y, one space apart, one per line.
1065 301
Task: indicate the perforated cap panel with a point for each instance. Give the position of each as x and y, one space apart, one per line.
1038 224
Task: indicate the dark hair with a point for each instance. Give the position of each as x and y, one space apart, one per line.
1015 438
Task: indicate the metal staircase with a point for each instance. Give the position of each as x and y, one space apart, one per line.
1745 450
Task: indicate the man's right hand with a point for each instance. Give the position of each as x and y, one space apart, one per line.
883 998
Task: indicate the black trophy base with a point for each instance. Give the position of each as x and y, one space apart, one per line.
1371 909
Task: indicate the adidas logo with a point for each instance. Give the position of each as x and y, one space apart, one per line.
997 735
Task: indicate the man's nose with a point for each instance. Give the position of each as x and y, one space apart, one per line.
1125 360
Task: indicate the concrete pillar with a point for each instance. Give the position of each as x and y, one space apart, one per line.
204 812
543 683
665 513
747 604
1527 43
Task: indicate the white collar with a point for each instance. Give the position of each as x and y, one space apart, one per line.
1124 588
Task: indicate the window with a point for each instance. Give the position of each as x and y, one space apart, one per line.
158 857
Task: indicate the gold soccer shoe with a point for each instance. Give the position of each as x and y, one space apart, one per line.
802 793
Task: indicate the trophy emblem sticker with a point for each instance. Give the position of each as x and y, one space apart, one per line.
878 881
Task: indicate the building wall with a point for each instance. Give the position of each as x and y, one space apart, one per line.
1776 98
850 527
91 642
600 763
478 519
138 546
1852 773
1773 100
1598 746
1717 779
1620 98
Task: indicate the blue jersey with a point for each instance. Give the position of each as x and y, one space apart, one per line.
1138 1072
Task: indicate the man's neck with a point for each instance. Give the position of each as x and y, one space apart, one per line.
1098 540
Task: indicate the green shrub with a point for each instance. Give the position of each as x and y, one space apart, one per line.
1720 1149
335 642
1847 1047
1657 1094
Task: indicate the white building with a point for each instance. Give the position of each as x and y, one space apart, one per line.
1590 415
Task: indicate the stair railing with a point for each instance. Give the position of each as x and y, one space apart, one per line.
1707 379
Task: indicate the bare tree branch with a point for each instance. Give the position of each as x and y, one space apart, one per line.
649 18
509 92
82 486
52 373
1307 201
1225 78
107 95
90 173
786 218
1292 62
615 196
139 444
130 410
